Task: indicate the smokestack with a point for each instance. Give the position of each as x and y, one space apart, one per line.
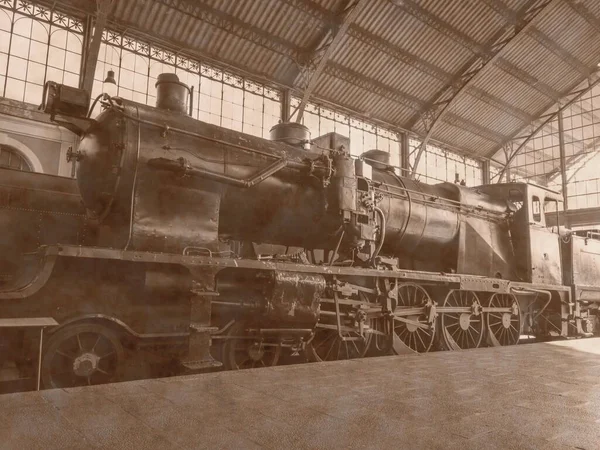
171 94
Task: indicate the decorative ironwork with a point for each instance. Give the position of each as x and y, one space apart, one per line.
64 67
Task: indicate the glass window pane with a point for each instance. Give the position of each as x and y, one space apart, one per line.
15 89
19 46
36 73
17 68
33 93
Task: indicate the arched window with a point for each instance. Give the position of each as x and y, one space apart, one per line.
13 159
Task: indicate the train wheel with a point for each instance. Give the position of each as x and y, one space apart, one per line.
244 351
82 355
419 334
327 345
460 331
504 328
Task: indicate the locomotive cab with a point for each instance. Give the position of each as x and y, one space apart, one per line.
536 245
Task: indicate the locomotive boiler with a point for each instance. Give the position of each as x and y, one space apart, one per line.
204 239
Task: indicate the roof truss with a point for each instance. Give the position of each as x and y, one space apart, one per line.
443 102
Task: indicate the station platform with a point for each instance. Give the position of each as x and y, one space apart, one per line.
534 396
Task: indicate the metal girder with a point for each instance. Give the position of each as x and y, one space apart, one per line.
585 14
542 121
563 162
404 99
400 54
526 78
102 9
374 86
234 26
445 100
576 158
559 51
509 15
474 128
420 13
587 157
321 54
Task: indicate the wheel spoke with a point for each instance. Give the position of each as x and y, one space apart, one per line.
61 353
95 343
112 352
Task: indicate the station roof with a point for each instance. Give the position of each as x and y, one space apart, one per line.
474 74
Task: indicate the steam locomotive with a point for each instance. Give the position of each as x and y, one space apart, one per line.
213 247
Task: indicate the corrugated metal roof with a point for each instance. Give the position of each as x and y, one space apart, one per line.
397 55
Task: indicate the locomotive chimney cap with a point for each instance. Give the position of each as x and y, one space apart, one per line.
172 94
167 78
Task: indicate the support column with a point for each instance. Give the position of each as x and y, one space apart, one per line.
507 154
563 167
485 172
404 154
103 6
286 100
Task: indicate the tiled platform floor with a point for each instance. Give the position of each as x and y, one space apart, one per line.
538 396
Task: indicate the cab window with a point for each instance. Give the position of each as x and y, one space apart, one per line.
536 209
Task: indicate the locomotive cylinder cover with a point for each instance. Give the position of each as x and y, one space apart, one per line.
291 133
171 94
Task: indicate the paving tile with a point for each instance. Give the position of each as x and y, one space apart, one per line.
21 419
104 415
139 405
20 400
511 440
539 396
42 438
127 438
266 432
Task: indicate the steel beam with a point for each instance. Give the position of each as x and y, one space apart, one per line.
509 15
477 68
435 22
546 119
234 26
526 78
374 86
102 9
410 59
585 14
559 51
321 55
582 153
563 162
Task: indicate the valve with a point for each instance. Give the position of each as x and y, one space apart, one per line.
74 156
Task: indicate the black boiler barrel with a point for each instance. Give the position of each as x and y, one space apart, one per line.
419 217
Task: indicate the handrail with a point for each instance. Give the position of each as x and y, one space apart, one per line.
184 168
